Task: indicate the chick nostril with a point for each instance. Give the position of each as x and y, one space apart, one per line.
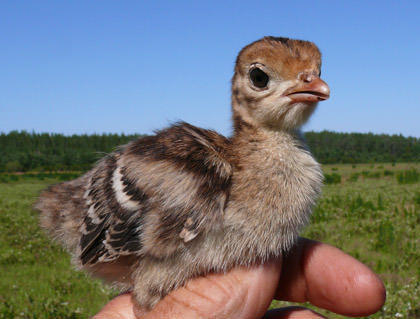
305 77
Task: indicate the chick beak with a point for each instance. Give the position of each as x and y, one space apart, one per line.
311 89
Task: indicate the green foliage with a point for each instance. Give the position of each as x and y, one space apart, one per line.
13 166
37 279
23 151
10 178
359 205
370 174
385 237
380 202
333 178
410 176
417 199
388 172
46 308
365 173
354 177
375 175
331 147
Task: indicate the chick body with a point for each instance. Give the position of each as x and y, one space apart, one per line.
188 201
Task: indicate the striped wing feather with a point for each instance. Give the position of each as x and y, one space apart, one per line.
156 194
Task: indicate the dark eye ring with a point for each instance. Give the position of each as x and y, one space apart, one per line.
259 78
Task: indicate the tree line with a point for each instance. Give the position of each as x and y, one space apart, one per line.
24 151
332 147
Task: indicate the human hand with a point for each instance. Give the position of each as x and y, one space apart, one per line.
318 273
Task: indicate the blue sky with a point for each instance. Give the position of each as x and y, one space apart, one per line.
134 66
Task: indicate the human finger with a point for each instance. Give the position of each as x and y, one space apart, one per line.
120 307
330 279
292 313
240 293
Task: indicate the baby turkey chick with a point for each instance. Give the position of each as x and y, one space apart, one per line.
188 201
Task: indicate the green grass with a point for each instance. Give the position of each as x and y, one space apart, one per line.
37 280
410 176
364 210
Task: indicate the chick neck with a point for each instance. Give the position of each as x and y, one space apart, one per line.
245 130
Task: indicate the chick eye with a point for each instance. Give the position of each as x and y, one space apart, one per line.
258 78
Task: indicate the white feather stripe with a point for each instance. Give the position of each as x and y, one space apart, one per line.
123 199
93 215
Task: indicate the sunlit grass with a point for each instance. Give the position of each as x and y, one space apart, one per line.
37 279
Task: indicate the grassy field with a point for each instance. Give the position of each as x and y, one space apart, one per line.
371 211
36 278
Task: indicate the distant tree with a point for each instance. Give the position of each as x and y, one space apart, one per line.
332 147
23 151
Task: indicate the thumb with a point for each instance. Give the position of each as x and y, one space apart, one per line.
240 293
